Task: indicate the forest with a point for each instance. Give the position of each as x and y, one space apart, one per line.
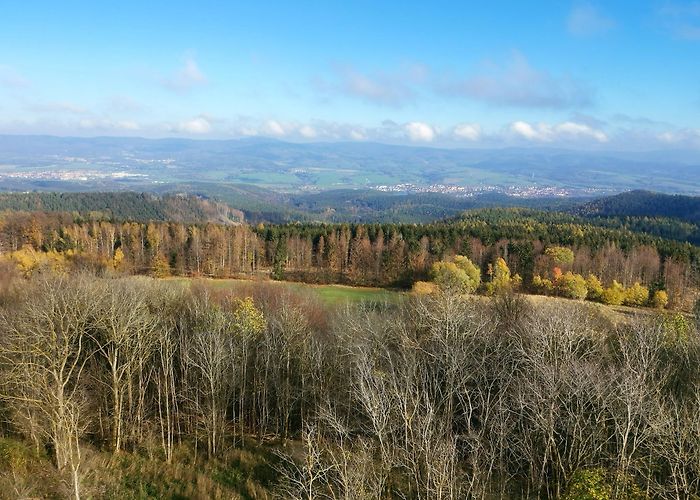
385 255
117 382
141 388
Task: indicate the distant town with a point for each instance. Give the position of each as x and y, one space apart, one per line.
469 191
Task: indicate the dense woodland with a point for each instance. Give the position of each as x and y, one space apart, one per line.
120 206
121 386
142 388
388 255
645 204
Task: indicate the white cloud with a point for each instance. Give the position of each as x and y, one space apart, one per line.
307 131
419 132
128 125
469 131
275 128
525 130
187 77
686 136
357 135
517 83
198 125
108 125
587 20
566 131
393 88
573 129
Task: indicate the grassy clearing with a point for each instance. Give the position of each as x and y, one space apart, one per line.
330 294
142 474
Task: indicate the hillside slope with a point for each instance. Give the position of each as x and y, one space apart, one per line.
123 206
644 204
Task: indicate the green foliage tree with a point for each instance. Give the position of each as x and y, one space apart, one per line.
560 255
460 275
279 261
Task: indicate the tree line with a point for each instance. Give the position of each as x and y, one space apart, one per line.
389 255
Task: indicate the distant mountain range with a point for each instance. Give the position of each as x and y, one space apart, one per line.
113 163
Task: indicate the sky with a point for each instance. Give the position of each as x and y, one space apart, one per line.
622 75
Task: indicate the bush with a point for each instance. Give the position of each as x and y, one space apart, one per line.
595 288
424 288
572 286
659 300
542 285
614 295
589 484
460 275
597 484
636 295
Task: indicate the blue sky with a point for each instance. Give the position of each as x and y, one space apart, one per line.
615 75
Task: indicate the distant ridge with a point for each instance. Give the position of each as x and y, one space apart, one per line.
640 203
123 206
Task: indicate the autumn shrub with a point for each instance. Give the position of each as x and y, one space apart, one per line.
424 288
572 286
542 285
614 295
637 295
595 288
659 300
589 484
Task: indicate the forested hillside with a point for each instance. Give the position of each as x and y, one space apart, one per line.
122 206
390 255
645 204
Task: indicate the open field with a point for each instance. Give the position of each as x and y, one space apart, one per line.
330 294
339 294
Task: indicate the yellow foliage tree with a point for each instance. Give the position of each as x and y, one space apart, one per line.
636 295
118 259
595 288
614 295
572 286
501 280
29 260
542 285
660 299
248 319
161 267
